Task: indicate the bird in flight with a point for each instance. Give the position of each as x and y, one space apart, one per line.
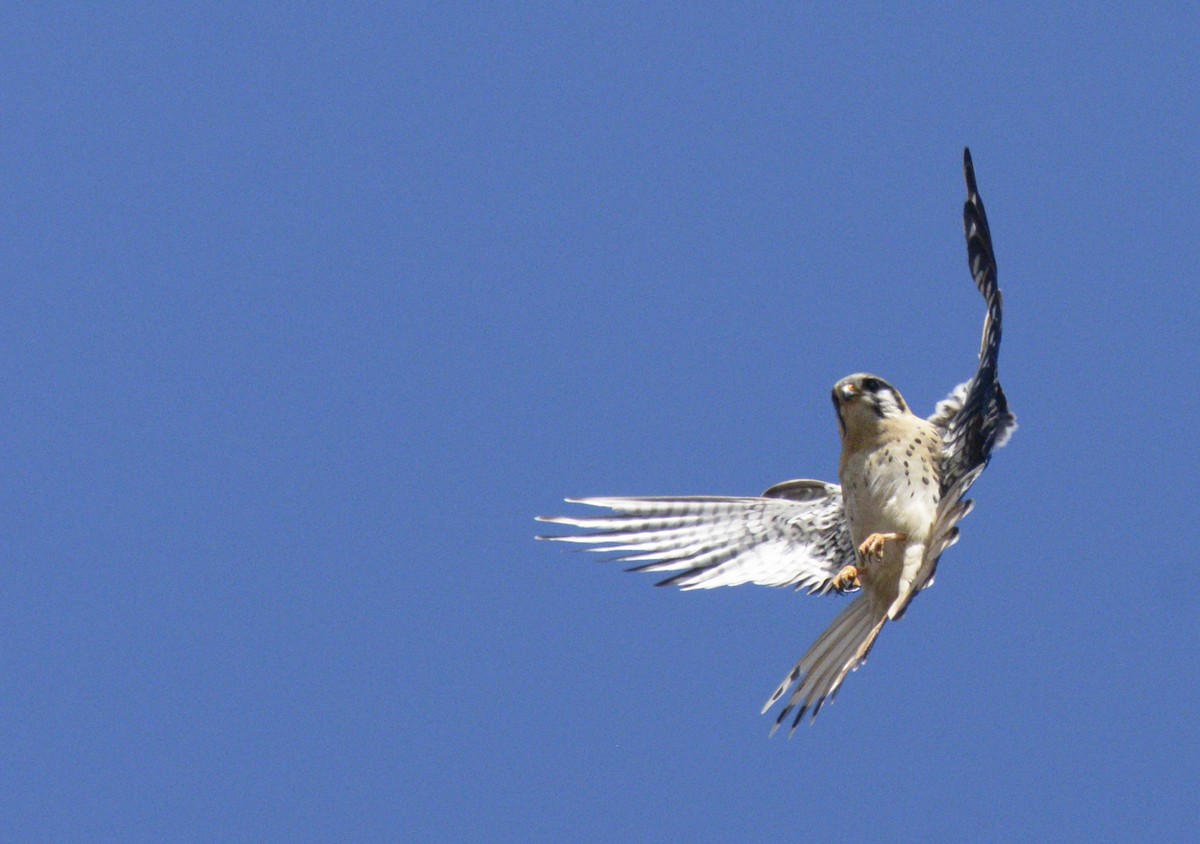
880 532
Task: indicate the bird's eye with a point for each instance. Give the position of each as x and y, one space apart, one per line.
871 385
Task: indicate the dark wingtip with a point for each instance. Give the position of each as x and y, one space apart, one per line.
969 172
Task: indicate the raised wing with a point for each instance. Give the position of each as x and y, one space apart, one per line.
974 419
794 535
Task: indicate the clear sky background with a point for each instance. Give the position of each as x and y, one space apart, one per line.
309 309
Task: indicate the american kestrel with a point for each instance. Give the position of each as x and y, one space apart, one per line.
881 532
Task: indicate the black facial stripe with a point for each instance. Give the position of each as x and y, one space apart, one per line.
837 408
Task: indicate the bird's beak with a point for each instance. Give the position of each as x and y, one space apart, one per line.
848 391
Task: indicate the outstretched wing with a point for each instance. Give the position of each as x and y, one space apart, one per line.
974 419
794 535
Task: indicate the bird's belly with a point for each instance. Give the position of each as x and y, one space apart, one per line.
881 500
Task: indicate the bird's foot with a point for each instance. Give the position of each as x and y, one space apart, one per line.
847 579
872 546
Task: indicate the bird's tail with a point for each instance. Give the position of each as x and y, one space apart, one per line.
838 651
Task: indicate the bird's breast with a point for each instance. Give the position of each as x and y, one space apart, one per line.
891 487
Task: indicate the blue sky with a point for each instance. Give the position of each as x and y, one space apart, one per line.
310 309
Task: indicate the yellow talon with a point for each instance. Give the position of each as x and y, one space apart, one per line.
872 546
847 579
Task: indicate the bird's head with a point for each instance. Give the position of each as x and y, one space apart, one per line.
862 400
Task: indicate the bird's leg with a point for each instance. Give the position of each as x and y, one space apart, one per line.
871 550
872 546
